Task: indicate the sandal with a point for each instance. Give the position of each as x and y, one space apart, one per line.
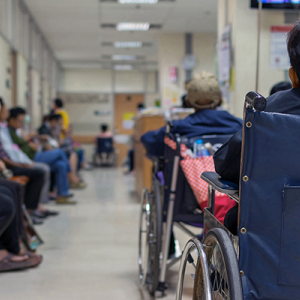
36 259
7 264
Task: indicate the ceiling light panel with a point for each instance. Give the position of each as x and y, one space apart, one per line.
129 26
123 67
138 1
123 57
128 44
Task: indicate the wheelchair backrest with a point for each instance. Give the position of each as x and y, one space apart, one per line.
269 233
104 145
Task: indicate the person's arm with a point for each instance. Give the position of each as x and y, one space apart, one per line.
228 158
153 141
8 162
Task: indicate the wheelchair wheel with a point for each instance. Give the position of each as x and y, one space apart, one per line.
223 268
203 277
154 236
143 237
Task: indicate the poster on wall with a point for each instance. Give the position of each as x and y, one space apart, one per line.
128 120
224 55
279 58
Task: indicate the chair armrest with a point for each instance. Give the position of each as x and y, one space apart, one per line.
223 186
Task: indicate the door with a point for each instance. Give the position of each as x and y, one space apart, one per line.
126 108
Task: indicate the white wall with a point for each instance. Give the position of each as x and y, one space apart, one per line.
244 43
204 47
36 108
5 66
85 83
87 80
46 100
22 81
129 81
171 54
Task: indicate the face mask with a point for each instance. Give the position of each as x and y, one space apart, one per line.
27 119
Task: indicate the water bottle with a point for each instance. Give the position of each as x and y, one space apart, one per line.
199 149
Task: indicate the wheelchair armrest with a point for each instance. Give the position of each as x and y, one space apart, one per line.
221 185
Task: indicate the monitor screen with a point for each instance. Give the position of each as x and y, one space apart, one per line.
277 4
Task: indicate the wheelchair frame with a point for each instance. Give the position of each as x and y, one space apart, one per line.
164 263
211 224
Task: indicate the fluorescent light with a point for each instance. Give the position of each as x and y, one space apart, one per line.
128 44
133 26
123 67
137 1
124 57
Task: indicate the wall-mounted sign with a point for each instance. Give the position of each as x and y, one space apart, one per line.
173 74
224 54
279 58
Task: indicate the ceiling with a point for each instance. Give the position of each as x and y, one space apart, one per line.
73 27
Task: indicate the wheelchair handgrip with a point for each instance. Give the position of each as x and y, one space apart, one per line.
170 126
256 101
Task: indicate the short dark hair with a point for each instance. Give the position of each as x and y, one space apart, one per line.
281 86
293 46
15 112
104 127
141 106
58 103
54 117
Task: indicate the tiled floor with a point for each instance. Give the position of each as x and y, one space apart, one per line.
90 250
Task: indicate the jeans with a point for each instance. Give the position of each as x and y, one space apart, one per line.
59 165
80 154
46 186
8 220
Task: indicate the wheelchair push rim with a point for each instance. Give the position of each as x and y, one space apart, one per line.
143 258
225 280
203 277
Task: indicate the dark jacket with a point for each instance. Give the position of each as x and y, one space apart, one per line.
228 158
202 122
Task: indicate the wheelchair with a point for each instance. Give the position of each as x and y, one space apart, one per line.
104 155
263 261
169 202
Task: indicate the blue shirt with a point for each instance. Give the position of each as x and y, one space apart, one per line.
202 122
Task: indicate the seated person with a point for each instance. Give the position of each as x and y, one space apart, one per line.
105 133
66 144
281 86
204 95
58 108
228 158
55 159
12 257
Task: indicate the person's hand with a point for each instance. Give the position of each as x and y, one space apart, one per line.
34 146
26 166
33 134
2 166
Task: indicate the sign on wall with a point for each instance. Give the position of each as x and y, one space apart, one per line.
279 58
88 111
224 54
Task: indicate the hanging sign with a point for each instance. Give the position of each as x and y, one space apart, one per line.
279 58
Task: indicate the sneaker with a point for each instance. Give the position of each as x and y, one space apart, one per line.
78 185
64 200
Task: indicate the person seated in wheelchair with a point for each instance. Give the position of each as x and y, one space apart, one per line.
105 133
228 158
204 95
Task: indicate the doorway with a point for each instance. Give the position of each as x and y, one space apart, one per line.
125 110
